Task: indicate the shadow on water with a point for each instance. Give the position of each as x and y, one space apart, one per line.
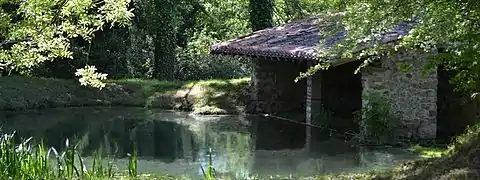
177 144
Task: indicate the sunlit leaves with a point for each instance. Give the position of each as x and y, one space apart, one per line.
35 31
450 28
116 11
89 77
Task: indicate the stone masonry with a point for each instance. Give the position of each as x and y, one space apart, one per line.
413 93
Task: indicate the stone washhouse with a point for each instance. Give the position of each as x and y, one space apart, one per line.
425 104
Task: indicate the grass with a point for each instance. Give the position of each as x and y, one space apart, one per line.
202 97
429 152
461 161
30 162
209 174
26 161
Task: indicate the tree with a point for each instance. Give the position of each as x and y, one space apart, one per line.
450 29
261 14
165 23
35 31
293 9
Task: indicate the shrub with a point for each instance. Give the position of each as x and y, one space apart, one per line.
376 122
205 66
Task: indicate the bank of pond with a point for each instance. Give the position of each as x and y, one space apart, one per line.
216 96
182 145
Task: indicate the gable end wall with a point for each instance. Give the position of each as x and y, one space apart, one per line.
413 94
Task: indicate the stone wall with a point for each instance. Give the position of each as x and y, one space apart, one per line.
272 83
413 94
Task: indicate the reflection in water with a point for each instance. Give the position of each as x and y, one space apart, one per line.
177 144
274 134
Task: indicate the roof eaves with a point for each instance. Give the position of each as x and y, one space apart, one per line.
262 53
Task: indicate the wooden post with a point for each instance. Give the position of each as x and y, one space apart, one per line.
308 110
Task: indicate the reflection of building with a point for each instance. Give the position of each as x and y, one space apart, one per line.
275 134
174 143
154 139
231 149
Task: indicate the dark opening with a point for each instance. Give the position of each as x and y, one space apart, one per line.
455 110
341 96
282 130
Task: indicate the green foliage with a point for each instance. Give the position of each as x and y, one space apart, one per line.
466 141
209 174
205 96
203 66
133 163
24 160
376 122
428 152
446 28
27 161
313 6
219 21
261 14
98 169
288 10
291 8
33 32
164 25
130 52
167 40
89 76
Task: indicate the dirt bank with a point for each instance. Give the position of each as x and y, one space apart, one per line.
202 97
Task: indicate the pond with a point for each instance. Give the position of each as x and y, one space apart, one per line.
177 143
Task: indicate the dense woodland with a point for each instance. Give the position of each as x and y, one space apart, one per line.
169 40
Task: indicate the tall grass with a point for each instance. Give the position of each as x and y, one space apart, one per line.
31 162
209 174
25 160
133 163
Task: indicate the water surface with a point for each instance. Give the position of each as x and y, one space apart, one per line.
177 143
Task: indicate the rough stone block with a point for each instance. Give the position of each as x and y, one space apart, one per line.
413 94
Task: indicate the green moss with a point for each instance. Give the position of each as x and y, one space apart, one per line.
429 152
205 96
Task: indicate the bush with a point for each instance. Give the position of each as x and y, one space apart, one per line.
376 122
205 66
470 138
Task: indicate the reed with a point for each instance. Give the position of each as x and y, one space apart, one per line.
133 163
209 174
23 160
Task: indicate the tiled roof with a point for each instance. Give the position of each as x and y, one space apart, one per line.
294 40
